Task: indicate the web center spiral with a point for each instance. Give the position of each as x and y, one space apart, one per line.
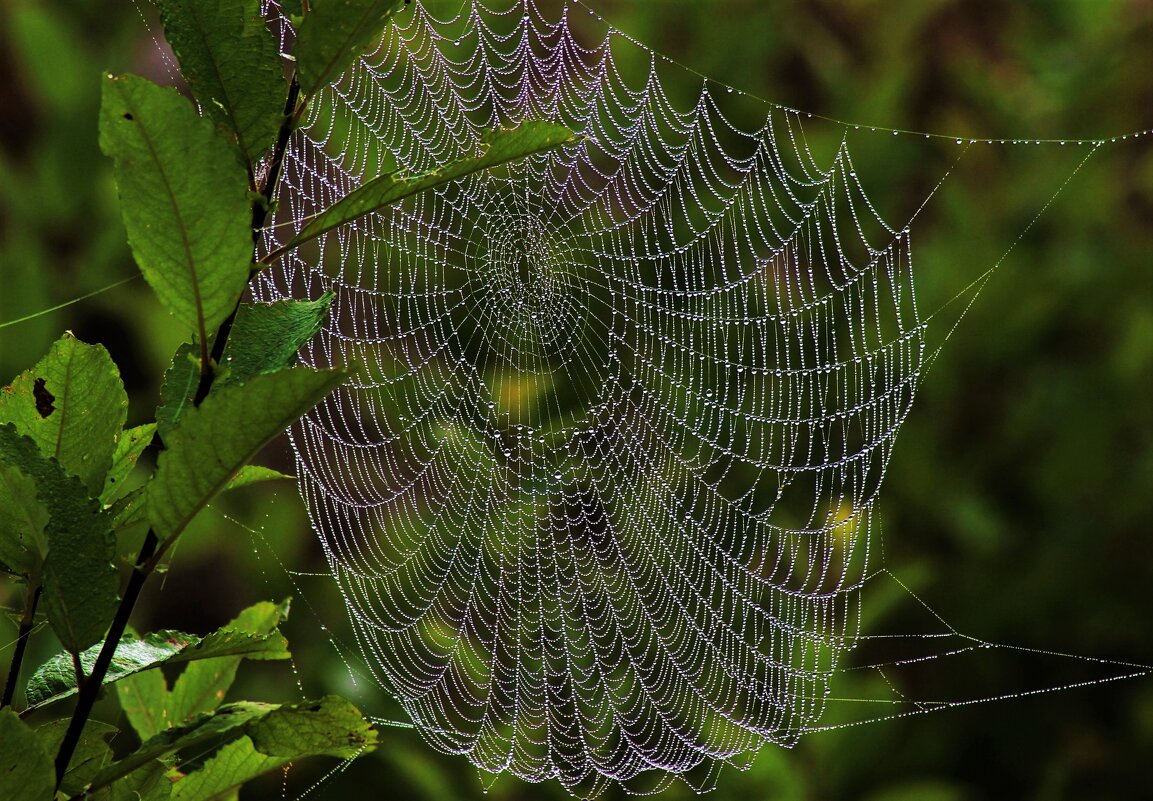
536 314
528 292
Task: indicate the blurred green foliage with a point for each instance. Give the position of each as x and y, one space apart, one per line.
1018 501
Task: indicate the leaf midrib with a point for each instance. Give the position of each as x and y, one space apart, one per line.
181 228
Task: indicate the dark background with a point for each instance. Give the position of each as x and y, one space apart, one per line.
1019 499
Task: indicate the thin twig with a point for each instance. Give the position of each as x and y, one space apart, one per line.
27 622
260 211
89 690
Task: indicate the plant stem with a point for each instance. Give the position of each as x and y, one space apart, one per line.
260 210
89 690
259 217
26 624
77 669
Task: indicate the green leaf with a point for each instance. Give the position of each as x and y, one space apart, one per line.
334 34
184 200
144 701
80 582
74 405
56 679
331 726
212 442
179 387
281 733
130 510
152 782
22 539
203 684
266 336
229 58
499 147
254 474
229 719
132 443
233 766
25 767
92 753
228 642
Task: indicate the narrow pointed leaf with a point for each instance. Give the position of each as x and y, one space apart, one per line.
184 199
231 643
254 474
229 58
179 387
214 441
131 444
80 582
334 33
500 147
74 405
129 510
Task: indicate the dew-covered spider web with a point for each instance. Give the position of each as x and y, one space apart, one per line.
600 495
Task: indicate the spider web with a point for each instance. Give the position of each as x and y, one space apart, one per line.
600 495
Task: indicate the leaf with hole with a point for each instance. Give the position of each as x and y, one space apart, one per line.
74 405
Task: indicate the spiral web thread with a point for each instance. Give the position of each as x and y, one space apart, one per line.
600 494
